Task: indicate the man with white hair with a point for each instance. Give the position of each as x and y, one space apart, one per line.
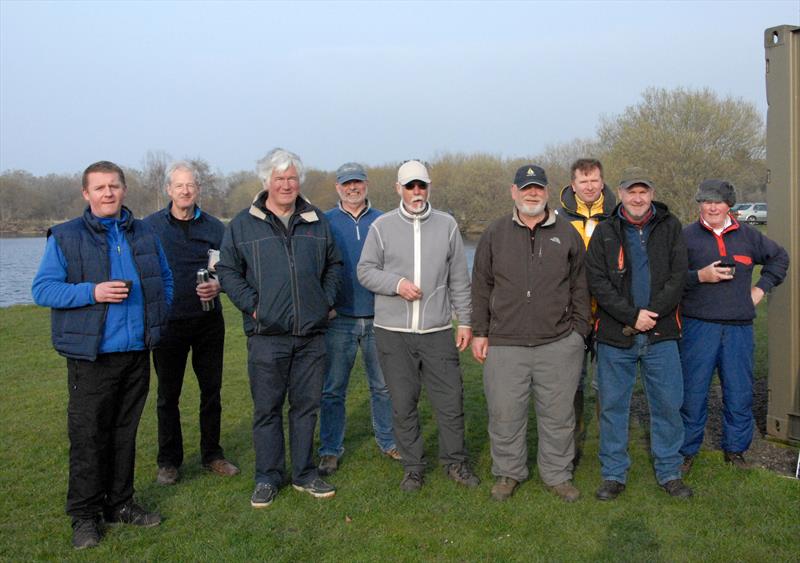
188 234
280 266
413 260
530 319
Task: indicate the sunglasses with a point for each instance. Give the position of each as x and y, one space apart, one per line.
416 184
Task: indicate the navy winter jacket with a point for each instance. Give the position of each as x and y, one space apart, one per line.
288 278
354 300
187 252
730 301
86 251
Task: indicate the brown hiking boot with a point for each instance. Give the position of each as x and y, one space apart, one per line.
566 491
686 466
462 474
677 488
737 460
393 453
503 488
222 467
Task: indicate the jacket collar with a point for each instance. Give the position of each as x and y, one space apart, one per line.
549 219
416 216
364 211
302 207
98 224
569 203
167 211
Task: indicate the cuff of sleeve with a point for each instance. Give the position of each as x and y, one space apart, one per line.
764 286
397 287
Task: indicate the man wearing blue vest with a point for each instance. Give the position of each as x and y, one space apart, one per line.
188 234
352 327
109 285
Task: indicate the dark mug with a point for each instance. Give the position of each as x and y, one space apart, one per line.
727 262
128 283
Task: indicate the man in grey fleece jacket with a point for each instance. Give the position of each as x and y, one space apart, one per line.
413 260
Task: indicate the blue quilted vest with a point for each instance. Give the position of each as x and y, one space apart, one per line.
77 333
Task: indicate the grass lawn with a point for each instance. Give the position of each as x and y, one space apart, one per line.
734 516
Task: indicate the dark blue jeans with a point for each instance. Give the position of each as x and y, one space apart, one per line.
344 337
277 366
660 367
705 347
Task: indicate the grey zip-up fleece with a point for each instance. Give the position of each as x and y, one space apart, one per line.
427 250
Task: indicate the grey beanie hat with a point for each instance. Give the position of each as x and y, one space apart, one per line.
716 190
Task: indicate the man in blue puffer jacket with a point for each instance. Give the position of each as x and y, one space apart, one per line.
109 285
280 266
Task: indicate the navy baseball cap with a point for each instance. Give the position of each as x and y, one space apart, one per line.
350 171
530 174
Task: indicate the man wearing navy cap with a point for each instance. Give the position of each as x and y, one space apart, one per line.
718 308
530 318
351 328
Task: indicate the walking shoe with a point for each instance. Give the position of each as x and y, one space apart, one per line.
686 466
503 488
412 481
394 454
167 475
566 491
609 490
461 473
317 488
263 495
328 464
222 467
677 488
737 460
133 514
85 533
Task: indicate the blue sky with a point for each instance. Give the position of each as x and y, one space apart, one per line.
374 82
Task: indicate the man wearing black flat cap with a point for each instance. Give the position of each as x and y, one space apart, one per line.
718 310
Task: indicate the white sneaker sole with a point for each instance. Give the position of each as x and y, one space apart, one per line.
312 493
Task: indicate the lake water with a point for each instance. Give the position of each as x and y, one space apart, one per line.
19 260
20 257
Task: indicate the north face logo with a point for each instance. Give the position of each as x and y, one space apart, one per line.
556 240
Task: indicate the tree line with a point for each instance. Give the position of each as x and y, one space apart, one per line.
680 136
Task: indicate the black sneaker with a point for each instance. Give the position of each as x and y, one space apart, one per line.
461 473
412 481
677 488
85 533
317 488
328 464
133 514
609 490
263 495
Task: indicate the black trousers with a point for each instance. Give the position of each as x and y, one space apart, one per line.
205 336
106 398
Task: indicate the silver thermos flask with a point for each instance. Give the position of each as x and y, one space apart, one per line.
203 277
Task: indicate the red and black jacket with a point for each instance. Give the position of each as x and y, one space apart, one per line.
729 301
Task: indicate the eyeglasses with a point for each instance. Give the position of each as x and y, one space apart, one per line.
416 184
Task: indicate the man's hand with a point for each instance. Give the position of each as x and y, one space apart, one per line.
714 273
756 294
110 292
646 320
463 336
408 290
208 290
332 314
480 347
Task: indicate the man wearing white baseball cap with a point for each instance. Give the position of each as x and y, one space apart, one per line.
413 260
